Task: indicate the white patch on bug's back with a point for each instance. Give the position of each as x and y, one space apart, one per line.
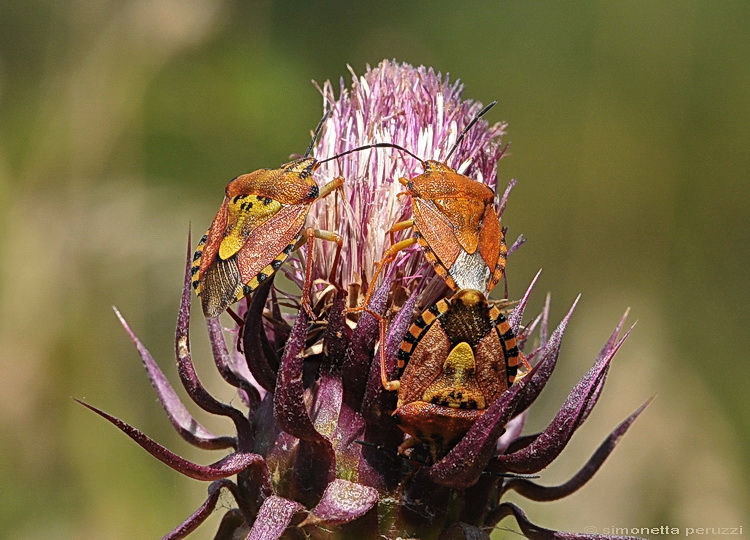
470 272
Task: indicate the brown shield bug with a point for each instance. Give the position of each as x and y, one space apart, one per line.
457 358
455 223
260 222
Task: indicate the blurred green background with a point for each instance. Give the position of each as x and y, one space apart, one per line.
121 122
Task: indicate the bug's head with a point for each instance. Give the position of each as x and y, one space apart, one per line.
432 166
469 297
303 167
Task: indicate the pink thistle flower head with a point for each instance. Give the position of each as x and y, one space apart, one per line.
314 450
417 109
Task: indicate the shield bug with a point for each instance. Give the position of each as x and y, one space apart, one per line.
455 223
260 222
457 358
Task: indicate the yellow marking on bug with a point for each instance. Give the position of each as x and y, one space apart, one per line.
443 306
457 387
255 282
242 292
195 277
268 270
245 213
460 358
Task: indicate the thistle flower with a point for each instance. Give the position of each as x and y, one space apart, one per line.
314 452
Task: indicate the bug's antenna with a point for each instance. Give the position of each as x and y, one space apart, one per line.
317 132
375 145
467 128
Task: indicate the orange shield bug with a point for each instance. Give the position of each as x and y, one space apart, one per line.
260 222
457 358
455 223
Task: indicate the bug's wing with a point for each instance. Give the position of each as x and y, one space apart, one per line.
424 362
220 286
465 217
226 281
209 245
437 237
492 366
497 353
269 246
492 246
206 252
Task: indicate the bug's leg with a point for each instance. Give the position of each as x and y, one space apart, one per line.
382 331
332 237
404 181
326 190
400 226
388 385
331 186
382 328
388 257
309 237
524 361
526 366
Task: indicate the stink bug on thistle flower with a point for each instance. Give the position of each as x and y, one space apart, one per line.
457 358
454 222
260 222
